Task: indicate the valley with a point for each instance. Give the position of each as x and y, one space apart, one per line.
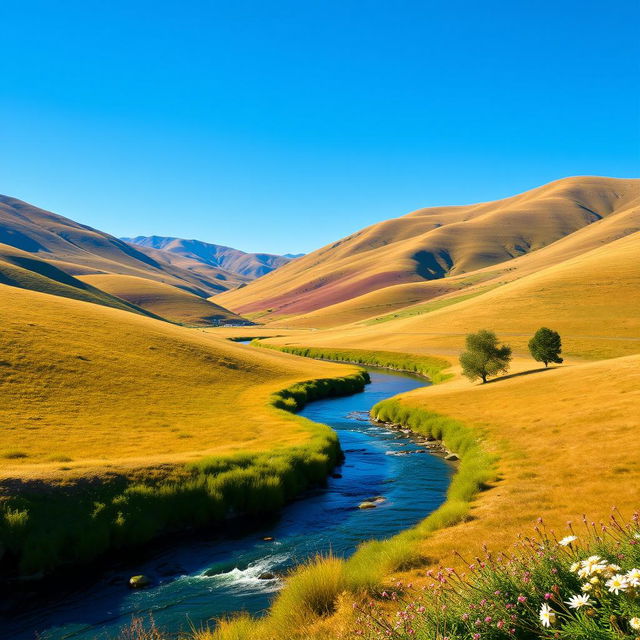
131 414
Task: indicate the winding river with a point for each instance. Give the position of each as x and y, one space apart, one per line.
197 579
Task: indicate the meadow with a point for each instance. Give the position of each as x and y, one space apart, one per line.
137 449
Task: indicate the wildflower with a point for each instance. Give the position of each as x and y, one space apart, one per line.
633 577
567 540
548 596
634 623
575 602
574 567
586 587
547 615
522 599
617 583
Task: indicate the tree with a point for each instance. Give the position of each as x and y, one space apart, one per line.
546 346
484 356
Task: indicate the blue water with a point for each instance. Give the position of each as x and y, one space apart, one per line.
198 579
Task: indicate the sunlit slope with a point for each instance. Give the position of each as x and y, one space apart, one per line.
568 441
162 299
21 269
433 243
592 299
421 297
89 387
78 249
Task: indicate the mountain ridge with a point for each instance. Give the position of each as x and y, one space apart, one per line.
236 261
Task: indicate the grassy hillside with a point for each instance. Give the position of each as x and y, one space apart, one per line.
21 269
162 299
431 244
592 299
150 392
164 427
78 249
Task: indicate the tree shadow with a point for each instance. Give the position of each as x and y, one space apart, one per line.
521 373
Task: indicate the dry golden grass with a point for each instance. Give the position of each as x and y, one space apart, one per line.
161 299
88 387
568 442
592 299
78 249
442 241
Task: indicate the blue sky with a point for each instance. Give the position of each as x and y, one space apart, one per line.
282 126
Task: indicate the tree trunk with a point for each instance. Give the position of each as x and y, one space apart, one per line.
484 378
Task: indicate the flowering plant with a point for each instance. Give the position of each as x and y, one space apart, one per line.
584 586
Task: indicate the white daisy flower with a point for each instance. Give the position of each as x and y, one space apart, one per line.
575 602
547 615
586 587
633 577
567 540
574 567
617 584
634 623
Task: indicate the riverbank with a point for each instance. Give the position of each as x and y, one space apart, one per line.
214 577
45 527
426 366
536 434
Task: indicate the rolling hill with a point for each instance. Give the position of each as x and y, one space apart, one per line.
151 391
592 299
170 303
79 250
45 252
183 252
438 252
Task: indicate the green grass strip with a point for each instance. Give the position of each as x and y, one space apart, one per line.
426 366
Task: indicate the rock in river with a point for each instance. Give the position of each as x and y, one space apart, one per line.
139 582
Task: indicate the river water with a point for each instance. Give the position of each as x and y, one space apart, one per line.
203 577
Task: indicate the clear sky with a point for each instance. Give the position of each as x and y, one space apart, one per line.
282 126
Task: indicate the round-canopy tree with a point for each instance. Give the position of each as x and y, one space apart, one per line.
546 346
484 356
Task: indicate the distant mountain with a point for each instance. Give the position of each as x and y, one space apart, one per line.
293 256
249 265
46 252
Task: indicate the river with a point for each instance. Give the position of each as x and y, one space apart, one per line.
201 577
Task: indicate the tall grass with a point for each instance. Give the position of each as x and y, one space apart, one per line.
44 528
426 366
